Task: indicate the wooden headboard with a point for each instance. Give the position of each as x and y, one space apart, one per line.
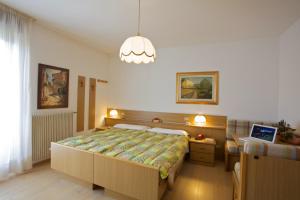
216 126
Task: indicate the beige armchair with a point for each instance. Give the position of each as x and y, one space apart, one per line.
242 129
267 172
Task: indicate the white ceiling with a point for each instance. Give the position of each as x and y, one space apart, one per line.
105 24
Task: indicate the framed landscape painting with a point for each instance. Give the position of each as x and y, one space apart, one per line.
53 87
197 87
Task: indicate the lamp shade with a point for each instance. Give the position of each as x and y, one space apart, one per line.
137 49
113 113
200 119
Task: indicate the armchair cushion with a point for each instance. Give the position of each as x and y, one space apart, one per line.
272 150
232 147
238 127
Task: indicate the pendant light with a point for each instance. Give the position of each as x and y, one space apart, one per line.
137 49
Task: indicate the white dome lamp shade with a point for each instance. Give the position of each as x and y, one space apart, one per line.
200 120
137 49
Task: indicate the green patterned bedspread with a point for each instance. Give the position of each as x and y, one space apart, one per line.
161 151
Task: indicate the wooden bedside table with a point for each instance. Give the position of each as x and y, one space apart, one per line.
202 151
102 128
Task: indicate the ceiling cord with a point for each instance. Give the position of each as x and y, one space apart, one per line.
139 19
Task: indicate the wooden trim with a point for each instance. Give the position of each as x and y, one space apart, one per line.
243 177
216 83
92 103
102 81
236 184
80 103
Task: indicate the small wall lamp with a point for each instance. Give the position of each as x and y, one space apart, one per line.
200 120
113 113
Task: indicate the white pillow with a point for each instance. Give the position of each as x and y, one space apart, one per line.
131 126
168 131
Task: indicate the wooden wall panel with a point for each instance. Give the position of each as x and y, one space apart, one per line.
80 103
215 121
92 103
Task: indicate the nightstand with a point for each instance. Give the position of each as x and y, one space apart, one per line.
202 151
102 128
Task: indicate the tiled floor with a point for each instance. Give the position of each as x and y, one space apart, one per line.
194 182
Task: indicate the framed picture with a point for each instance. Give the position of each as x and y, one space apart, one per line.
53 87
197 87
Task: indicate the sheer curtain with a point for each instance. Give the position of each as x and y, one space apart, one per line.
15 111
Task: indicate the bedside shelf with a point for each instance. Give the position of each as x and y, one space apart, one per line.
102 128
202 151
209 126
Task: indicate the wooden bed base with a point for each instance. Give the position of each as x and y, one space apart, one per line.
120 176
74 162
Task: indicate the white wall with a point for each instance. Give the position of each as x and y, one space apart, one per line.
248 79
250 74
51 48
289 82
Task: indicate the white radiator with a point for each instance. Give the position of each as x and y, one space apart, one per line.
49 128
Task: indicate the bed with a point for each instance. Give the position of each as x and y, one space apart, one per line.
123 177
135 163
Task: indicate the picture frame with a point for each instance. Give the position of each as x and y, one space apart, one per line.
197 87
53 87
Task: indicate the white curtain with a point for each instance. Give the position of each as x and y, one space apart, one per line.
15 111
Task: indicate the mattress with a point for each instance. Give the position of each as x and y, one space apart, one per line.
160 151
